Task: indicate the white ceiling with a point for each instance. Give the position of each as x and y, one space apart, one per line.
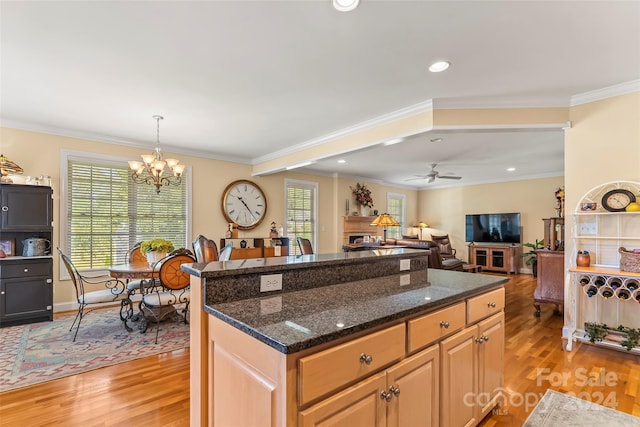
247 80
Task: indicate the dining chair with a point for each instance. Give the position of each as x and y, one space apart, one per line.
135 255
225 253
205 249
158 303
114 291
305 246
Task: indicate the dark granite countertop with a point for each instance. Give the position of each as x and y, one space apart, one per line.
294 321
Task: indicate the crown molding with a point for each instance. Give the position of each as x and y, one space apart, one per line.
500 103
351 130
604 93
144 145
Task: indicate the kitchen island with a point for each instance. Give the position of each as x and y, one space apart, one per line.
357 338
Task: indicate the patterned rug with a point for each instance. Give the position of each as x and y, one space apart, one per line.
45 351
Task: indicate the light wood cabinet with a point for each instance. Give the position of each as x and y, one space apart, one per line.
472 364
502 258
415 377
404 395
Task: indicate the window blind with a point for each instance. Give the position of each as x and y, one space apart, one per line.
107 213
301 214
395 208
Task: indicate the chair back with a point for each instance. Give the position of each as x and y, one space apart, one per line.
305 246
205 249
225 253
135 255
444 245
170 275
78 284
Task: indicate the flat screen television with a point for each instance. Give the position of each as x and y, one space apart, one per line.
493 228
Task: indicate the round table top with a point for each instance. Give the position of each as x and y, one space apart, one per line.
132 271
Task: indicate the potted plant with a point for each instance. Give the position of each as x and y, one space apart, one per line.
156 249
530 258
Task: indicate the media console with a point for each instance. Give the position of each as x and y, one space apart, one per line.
503 258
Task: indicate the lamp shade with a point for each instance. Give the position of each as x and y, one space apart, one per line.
385 220
422 225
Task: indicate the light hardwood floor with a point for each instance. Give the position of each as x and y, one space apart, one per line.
154 391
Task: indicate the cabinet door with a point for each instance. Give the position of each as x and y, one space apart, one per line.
459 367
498 259
490 362
26 208
360 405
416 381
481 257
25 298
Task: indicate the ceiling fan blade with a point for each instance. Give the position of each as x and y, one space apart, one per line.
416 178
431 179
449 177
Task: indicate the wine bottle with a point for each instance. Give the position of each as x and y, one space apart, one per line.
592 290
623 294
584 280
607 292
632 285
615 283
599 281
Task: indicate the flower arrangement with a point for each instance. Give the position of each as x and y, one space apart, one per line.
560 193
363 195
156 245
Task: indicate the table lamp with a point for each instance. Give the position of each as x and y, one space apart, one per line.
385 220
421 225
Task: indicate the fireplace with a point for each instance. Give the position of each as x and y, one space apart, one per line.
355 226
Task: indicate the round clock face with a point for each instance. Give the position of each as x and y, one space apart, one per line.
617 200
244 203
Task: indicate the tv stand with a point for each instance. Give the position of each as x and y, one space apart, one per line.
495 257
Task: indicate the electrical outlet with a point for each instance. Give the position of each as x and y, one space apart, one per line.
270 282
405 264
405 279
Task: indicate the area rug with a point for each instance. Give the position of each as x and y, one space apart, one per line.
45 351
563 410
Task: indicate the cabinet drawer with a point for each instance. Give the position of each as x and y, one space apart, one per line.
432 327
484 305
328 370
25 268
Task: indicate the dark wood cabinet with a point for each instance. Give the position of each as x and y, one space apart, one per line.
26 283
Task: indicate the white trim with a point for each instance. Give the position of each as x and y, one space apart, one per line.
523 127
65 156
604 93
403 113
403 220
502 103
144 145
311 184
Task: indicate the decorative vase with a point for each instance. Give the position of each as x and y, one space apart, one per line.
153 257
583 259
364 210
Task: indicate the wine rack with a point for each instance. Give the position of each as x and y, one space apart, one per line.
601 293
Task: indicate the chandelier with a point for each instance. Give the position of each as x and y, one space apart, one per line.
150 169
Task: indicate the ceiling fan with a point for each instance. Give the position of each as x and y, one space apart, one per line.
433 174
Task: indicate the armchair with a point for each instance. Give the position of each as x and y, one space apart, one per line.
444 245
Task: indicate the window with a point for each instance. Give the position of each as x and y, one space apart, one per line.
301 212
396 208
103 213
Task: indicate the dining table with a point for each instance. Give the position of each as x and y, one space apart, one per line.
138 271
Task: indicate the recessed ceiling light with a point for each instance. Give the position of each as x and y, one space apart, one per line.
439 66
345 5
342 161
511 169
435 140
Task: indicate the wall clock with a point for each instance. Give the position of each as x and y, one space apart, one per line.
244 203
617 200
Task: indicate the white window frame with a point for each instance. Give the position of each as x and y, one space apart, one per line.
65 156
403 217
314 214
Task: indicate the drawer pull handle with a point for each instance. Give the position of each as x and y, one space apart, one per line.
366 358
5 208
444 324
479 340
485 338
492 305
2 293
386 396
394 390
26 270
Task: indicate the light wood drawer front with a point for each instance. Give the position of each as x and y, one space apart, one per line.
432 327
484 305
328 370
